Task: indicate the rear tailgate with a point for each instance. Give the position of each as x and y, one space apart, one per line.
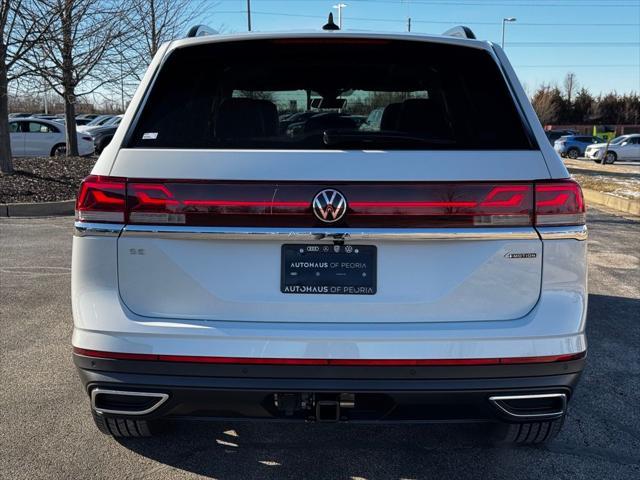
228 264
218 182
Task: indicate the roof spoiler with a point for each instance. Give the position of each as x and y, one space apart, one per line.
200 31
461 32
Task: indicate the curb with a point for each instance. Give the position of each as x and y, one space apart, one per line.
624 205
44 209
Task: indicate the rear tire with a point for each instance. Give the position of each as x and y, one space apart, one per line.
573 153
531 433
122 427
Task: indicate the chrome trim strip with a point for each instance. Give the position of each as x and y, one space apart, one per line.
314 234
498 398
577 232
85 229
97 391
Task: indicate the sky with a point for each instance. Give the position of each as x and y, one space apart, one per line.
598 40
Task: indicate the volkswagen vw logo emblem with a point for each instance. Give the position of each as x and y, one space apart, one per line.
329 205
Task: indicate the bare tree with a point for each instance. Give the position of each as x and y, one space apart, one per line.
146 25
547 104
78 55
23 24
153 22
570 86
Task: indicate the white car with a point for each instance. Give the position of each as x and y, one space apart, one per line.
625 147
112 122
433 269
32 137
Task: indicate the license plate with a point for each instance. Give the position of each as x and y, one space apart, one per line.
328 269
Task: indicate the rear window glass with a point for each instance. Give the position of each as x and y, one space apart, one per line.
329 94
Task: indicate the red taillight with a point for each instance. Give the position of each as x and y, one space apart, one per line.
101 199
370 205
559 203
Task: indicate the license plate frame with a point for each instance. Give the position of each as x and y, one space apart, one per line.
320 269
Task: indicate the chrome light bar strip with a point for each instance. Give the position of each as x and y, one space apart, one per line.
83 229
310 234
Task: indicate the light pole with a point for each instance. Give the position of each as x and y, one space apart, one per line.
339 7
249 15
504 22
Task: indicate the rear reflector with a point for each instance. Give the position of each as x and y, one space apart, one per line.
370 205
326 361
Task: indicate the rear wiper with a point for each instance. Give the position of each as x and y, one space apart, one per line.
333 138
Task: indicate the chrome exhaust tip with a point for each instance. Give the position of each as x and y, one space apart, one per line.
121 402
541 406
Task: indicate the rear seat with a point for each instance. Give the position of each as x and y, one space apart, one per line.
246 118
417 115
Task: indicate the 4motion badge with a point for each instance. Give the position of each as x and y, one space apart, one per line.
521 255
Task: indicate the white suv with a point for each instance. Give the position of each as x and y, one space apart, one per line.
431 269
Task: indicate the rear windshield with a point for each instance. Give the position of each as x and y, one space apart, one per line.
329 94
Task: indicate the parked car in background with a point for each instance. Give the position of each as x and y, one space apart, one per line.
326 120
554 135
46 116
96 122
112 122
573 146
295 118
20 115
625 147
102 137
82 121
89 116
31 137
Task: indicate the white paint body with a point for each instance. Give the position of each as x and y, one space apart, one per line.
437 298
43 136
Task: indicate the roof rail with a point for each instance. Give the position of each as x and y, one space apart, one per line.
200 31
461 32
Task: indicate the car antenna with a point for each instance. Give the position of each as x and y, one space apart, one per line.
330 25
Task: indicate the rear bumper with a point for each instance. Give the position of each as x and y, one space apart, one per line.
351 393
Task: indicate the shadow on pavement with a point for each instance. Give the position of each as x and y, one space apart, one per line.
241 450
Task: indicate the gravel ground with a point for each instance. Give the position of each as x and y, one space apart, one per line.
44 179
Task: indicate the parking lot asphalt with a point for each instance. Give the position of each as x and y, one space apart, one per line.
47 432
